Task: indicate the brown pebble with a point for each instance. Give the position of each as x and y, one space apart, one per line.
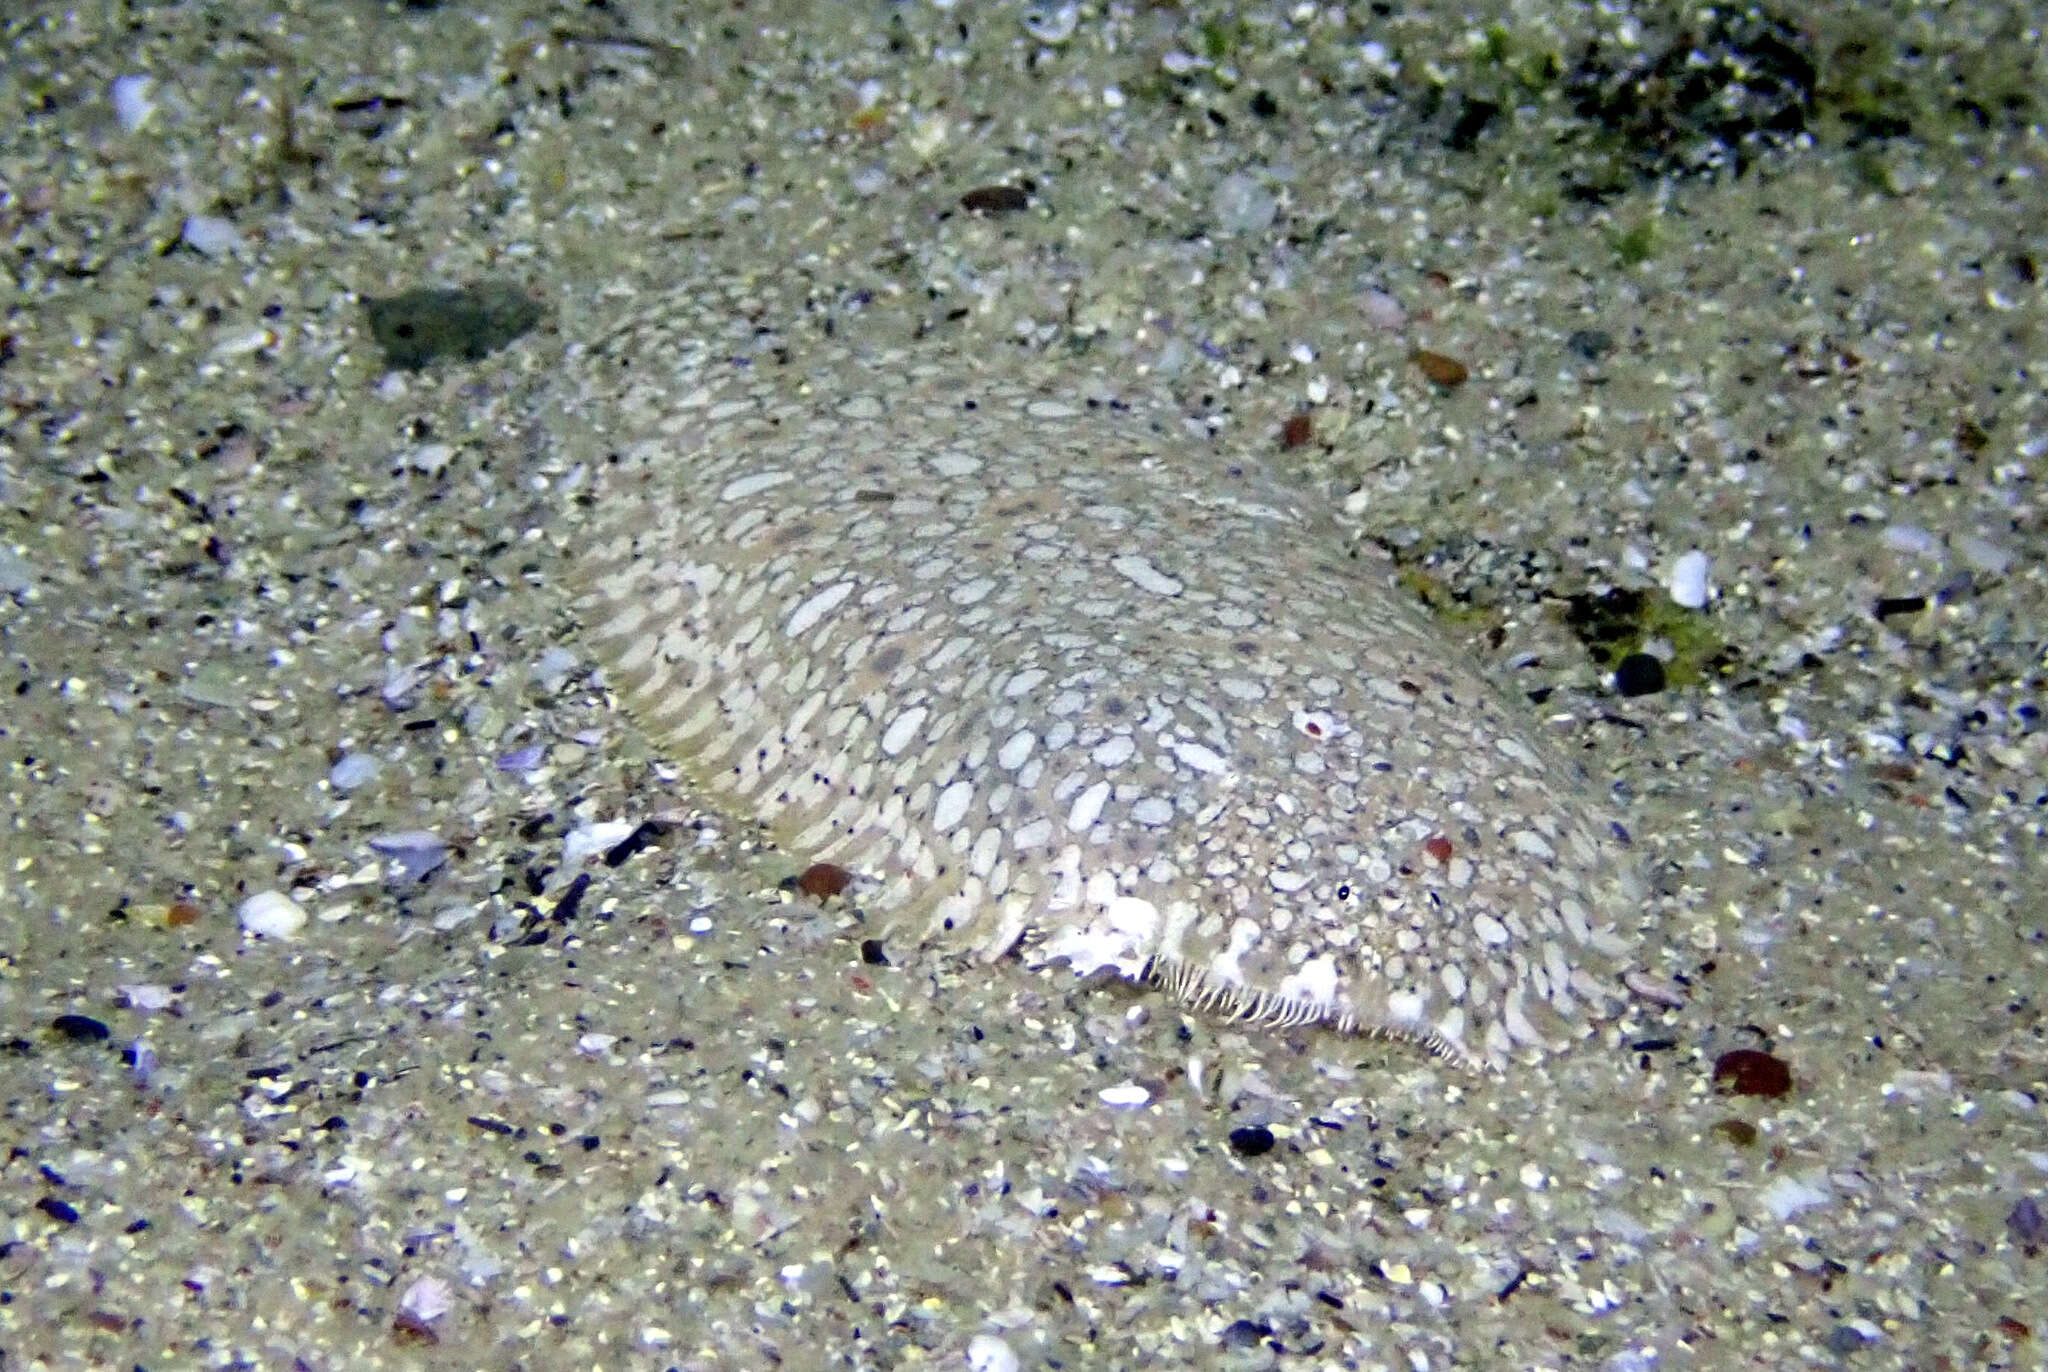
181 913
1752 1072
995 200
1444 371
1298 430
1741 1133
410 1328
821 880
1438 847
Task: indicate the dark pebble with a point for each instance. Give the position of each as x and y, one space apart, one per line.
1741 1133
80 1028
872 954
1846 1339
1244 1334
995 200
1591 344
2026 1224
572 899
57 1210
1752 1072
1251 1141
1900 605
1639 674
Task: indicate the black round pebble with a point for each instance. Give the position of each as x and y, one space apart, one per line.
871 952
80 1028
1251 1141
1639 674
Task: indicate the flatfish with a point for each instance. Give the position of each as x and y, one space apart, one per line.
1044 667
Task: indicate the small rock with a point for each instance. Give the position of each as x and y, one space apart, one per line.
354 770
132 105
1441 369
586 841
1688 584
1383 311
271 914
1251 1141
987 1353
80 1028
1639 674
1242 205
211 236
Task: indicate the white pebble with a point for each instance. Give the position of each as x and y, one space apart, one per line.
271 914
432 459
1911 538
1052 24
453 916
586 841
16 578
1383 311
1788 1195
1688 582
1983 555
408 841
427 1299
553 668
1126 1096
132 105
147 997
211 236
1242 205
352 771
987 1353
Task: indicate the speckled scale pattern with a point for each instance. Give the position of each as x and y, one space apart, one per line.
1039 663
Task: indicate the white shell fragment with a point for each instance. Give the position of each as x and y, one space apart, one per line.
1055 671
272 914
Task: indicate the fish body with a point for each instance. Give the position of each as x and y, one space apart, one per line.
1042 666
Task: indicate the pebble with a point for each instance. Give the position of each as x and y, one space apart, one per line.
1639 674
271 914
415 853
211 236
1383 311
1242 205
81 1028
132 105
1251 1141
987 1353
353 771
1688 584
587 841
